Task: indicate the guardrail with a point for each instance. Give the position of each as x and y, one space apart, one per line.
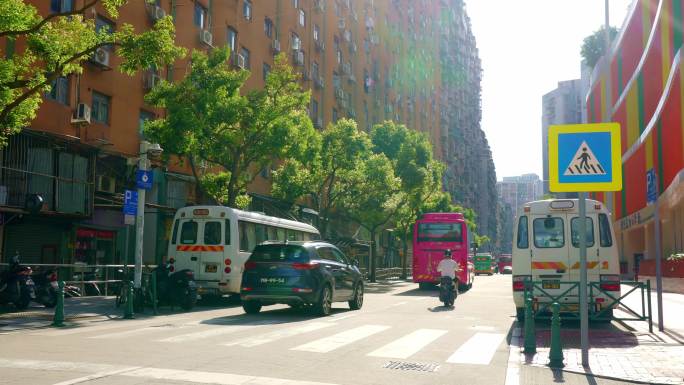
386 272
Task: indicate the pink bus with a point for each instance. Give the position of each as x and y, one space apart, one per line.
434 233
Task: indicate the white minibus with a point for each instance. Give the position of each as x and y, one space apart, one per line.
215 242
546 251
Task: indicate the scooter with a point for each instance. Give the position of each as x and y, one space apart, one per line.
175 288
16 285
46 287
447 291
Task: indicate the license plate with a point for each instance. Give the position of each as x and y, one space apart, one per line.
210 268
550 284
273 280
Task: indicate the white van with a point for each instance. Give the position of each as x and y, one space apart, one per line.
215 242
546 250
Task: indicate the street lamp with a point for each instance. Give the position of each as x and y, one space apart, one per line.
154 150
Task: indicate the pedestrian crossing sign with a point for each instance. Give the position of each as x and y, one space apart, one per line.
585 157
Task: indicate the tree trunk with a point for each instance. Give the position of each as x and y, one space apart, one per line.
371 261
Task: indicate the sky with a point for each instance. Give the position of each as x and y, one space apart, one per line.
526 48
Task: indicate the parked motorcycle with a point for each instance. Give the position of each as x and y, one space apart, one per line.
46 287
447 291
175 288
16 285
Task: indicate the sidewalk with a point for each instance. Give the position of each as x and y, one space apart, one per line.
621 351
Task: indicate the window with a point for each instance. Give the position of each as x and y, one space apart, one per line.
174 233
212 233
104 25
340 257
260 233
523 237
295 42
337 82
549 233
281 234
326 254
276 253
100 108
247 236
266 69
316 32
314 109
245 53
574 227
59 90
247 10
61 6
295 3
334 115
302 18
605 237
144 116
440 232
227 233
314 70
232 39
268 27
189 233
292 235
338 56
200 16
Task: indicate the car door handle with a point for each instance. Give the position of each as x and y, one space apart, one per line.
193 258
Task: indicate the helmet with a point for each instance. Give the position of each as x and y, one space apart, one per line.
447 253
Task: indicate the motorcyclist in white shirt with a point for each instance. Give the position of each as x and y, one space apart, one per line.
448 268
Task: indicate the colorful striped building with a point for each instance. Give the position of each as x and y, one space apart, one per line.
646 86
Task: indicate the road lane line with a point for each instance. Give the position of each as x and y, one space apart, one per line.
279 334
336 341
337 318
408 345
97 376
478 350
215 332
513 368
199 377
127 333
57 365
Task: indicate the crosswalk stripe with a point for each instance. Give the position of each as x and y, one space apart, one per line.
408 345
279 334
127 333
478 350
336 341
215 332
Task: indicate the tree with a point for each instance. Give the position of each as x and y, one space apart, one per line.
210 120
340 150
594 46
374 198
56 45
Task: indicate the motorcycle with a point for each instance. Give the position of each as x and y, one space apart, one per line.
46 287
175 288
447 291
16 285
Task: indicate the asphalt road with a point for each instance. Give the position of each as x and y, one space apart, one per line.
402 335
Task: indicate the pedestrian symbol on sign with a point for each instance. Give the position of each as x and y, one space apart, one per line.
584 163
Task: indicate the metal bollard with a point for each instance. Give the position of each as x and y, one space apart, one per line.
128 312
556 352
154 292
58 320
530 337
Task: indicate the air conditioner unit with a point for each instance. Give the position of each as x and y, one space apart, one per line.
276 46
157 13
299 58
340 23
241 61
101 57
206 37
81 114
106 184
151 80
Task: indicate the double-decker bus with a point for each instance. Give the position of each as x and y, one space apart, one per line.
433 234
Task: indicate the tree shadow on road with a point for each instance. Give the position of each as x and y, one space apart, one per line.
278 315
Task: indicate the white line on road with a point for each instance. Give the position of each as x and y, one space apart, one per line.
341 317
107 326
513 369
97 376
328 344
279 334
478 350
408 345
126 333
215 331
399 304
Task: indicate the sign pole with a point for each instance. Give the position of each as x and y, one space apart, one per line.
140 221
584 308
658 256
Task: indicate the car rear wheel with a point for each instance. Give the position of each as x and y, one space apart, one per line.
357 301
251 307
324 304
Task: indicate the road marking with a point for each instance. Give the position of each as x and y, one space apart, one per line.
97 376
215 332
408 345
478 350
513 368
279 334
399 304
336 341
341 317
108 326
132 332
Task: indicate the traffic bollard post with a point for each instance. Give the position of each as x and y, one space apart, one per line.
530 337
556 352
154 292
128 310
58 320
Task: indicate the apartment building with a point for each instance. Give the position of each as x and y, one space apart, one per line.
414 62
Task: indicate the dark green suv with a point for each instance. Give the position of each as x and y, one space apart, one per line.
300 274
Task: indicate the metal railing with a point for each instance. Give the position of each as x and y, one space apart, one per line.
386 272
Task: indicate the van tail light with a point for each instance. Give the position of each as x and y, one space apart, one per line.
249 265
305 266
227 269
246 289
227 261
610 282
519 282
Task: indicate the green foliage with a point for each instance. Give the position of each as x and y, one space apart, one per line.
57 45
481 240
676 257
209 119
593 46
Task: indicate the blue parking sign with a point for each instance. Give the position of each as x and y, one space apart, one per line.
130 206
143 179
651 191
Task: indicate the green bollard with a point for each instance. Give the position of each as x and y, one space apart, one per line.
128 312
154 292
58 320
530 337
556 352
